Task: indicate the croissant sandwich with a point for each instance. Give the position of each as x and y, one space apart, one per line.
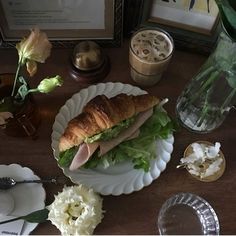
103 124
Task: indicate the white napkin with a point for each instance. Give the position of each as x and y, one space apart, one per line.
11 228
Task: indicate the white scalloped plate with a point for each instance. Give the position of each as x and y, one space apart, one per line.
27 197
121 178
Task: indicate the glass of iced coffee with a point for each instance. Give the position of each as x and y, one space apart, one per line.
149 54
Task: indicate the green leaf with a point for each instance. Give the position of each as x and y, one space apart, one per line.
232 81
110 133
162 118
37 216
228 15
66 157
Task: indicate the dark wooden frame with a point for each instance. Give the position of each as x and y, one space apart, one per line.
116 41
183 39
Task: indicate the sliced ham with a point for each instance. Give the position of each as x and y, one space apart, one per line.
106 146
85 151
134 135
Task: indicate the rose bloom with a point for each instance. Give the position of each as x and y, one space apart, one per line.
77 210
49 84
35 48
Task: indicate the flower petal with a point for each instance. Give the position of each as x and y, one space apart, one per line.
31 67
49 84
35 47
77 210
4 116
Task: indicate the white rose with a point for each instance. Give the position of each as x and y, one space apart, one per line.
77 210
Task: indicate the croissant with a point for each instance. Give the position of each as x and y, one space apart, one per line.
102 113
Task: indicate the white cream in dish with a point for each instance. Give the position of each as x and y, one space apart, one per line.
6 203
204 160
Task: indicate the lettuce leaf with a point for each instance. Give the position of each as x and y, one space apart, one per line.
110 133
66 157
141 150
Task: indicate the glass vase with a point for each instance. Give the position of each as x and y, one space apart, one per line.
208 98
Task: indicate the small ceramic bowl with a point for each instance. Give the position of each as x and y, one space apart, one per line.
217 174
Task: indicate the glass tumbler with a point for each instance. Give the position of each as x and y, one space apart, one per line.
150 52
187 214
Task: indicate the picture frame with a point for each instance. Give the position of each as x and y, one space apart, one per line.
66 22
132 13
186 37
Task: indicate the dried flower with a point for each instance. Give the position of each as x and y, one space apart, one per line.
34 49
204 160
4 116
77 210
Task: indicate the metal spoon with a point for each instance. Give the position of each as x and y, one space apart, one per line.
8 182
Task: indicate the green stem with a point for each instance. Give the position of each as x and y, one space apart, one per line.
32 90
204 73
34 217
16 77
11 220
208 82
204 86
204 110
228 99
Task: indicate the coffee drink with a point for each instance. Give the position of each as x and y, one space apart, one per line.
149 54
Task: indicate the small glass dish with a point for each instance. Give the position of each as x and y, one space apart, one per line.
187 214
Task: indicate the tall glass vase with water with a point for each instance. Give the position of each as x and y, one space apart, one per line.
210 95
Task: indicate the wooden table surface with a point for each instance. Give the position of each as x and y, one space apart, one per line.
135 213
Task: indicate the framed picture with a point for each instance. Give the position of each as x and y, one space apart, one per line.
132 13
196 16
193 24
65 21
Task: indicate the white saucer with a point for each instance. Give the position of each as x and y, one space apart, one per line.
27 197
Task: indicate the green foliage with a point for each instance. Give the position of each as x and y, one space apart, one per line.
36 216
141 150
66 157
228 16
110 133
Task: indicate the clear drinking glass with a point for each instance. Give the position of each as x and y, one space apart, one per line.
150 52
187 214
